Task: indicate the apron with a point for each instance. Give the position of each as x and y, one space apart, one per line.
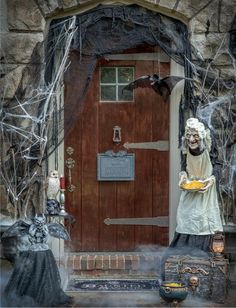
199 213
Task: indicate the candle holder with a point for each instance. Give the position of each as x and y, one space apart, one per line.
62 203
62 182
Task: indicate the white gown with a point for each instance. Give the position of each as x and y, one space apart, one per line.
199 213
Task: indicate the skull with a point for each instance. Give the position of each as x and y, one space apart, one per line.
193 281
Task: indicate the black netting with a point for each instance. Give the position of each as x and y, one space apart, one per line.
106 30
35 282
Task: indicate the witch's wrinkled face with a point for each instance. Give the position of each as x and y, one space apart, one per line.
193 139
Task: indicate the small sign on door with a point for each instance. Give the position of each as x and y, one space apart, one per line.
115 166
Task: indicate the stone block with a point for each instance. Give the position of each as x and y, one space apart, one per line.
24 15
69 3
228 72
19 47
209 46
20 79
227 15
223 59
3 16
49 7
166 4
218 21
185 8
10 80
3 199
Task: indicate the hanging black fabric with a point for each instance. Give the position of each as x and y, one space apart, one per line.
113 29
35 282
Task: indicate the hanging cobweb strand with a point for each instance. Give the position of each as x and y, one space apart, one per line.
47 111
219 118
34 135
216 106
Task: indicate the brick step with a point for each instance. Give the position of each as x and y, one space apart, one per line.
112 264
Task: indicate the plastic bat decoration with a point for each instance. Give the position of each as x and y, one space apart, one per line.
37 230
162 86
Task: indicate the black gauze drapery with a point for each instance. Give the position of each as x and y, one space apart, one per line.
113 29
35 282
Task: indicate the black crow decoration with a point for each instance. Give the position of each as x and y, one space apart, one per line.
162 86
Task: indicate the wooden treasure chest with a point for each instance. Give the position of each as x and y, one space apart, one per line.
206 277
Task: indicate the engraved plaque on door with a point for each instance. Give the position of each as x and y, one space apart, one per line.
115 166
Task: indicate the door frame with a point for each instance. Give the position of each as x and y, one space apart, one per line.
174 154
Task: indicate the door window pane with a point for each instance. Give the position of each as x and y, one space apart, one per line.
108 93
108 75
125 74
112 81
126 96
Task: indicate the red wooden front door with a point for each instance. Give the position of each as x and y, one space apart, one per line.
143 120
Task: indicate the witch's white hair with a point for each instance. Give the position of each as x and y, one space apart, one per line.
204 134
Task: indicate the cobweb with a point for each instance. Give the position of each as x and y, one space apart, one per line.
220 116
216 108
31 128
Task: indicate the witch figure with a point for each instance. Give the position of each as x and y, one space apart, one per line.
35 280
198 214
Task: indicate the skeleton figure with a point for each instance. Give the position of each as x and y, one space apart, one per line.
53 185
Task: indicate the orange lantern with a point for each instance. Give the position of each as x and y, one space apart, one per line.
218 244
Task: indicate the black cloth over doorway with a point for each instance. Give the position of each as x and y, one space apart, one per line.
113 29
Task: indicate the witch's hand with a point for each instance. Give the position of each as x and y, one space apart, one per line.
183 178
209 182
